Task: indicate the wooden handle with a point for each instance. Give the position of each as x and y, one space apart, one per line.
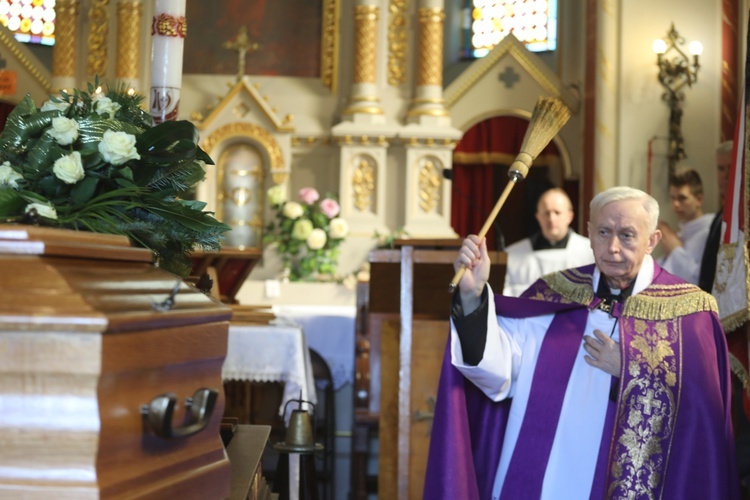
485 229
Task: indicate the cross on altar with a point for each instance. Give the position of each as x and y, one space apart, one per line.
509 77
241 43
649 402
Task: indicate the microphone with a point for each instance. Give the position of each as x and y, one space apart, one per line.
500 237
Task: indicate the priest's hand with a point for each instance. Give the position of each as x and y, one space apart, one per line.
473 255
603 352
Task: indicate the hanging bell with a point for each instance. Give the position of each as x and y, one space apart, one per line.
300 439
299 434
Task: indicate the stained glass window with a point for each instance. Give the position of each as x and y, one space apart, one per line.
533 22
31 21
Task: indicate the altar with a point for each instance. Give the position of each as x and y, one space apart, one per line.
325 311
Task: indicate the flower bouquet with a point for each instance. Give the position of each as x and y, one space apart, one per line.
306 234
93 161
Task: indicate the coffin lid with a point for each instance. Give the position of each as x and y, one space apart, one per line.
75 281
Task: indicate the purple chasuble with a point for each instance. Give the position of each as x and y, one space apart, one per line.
668 436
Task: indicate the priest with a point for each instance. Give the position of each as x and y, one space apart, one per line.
553 248
605 381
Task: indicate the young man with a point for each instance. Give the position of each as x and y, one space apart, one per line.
683 250
553 248
605 381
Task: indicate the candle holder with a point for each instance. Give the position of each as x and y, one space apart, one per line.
676 70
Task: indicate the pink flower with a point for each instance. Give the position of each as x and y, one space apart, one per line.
308 195
330 208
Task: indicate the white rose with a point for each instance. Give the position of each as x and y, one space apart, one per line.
8 176
293 210
63 130
277 195
55 106
69 169
118 147
339 228
316 239
105 105
42 209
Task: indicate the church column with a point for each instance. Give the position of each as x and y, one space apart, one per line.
97 40
364 98
64 52
129 16
428 103
428 138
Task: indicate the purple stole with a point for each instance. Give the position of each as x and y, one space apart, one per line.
641 432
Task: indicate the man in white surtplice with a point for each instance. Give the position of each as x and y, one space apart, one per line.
554 248
683 250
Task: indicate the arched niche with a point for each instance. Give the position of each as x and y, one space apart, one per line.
248 159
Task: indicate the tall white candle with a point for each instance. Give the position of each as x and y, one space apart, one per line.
168 31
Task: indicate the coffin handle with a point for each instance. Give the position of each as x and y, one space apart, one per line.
157 415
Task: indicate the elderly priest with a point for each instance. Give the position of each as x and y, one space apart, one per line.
604 381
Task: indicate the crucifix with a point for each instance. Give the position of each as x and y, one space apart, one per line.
241 43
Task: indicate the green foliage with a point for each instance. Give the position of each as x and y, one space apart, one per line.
137 197
306 234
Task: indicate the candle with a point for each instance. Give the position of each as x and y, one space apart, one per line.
168 31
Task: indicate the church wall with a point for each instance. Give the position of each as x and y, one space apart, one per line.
642 112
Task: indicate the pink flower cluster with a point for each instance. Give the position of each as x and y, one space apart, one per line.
328 206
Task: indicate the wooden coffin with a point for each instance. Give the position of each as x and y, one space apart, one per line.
94 361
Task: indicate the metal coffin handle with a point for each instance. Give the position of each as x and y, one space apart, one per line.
157 415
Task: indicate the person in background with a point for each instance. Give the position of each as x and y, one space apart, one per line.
556 246
708 262
683 250
604 381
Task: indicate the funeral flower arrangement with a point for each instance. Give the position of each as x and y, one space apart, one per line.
306 234
92 160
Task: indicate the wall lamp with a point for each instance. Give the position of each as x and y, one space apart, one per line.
676 70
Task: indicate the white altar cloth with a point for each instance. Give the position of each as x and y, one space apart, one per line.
329 330
271 354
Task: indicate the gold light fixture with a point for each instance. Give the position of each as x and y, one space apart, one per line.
676 70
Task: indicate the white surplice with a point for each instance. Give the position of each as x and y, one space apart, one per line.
525 265
685 261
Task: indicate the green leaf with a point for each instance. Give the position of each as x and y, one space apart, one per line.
126 172
194 204
14 124
121 181
91 129
84 190
203 156
43 155
159 141
187 217
11 202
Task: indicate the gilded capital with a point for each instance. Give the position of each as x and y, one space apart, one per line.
365 40
129 15
64 51
430 53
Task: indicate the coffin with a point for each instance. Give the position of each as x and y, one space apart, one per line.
97 366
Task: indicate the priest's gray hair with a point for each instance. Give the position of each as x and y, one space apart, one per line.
623 193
